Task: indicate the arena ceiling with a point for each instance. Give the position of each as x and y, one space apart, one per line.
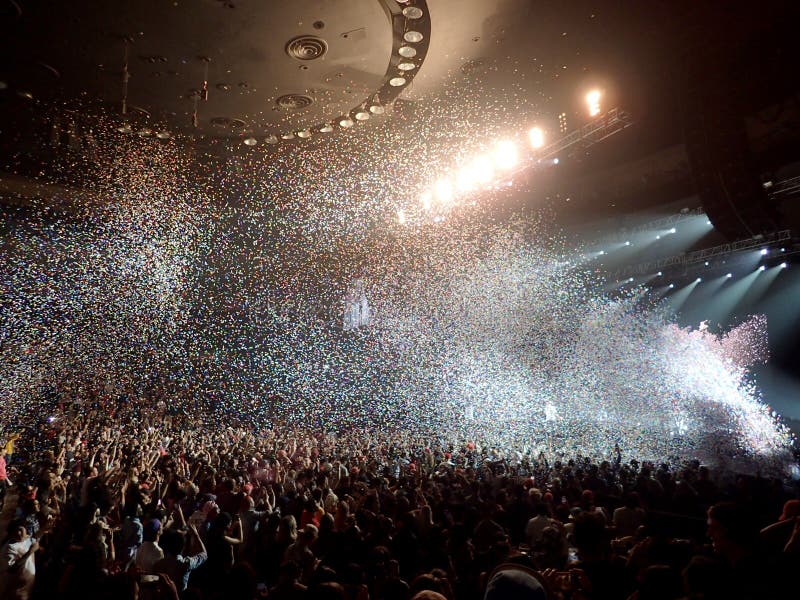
279 72
255 67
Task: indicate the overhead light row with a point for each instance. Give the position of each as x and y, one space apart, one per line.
368 109
481 171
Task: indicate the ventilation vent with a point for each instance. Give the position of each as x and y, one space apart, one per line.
223 122
307 47
293 102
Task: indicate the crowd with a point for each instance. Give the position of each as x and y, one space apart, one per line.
126 498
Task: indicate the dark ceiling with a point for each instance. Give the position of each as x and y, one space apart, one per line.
647 56
551 51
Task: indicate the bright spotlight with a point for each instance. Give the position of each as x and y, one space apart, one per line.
536 137
706 263
593 100
425 200
630 279
505 155
673 230
708 222
762 268
465 179
784 265
783 249
658 237
698 280
444 191
729 275
659 273
555 161
601 252
763 252
671 285
482 169
627 243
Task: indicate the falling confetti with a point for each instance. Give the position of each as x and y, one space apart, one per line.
226 286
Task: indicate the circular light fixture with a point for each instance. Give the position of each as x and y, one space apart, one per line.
327 128
346 122
251 141
397 81
536 137
412 12
412 37
406 66
304 134
407 51
271 139
125 129
377 109
362 115
163 135
145 132
287 136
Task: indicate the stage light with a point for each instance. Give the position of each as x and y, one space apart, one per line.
698 280
465 180
627 243
593 100
482 169
706 263
673 230
444 191
536 137
412 36
425 200
555 161
401 216
346 122
362 115
671 285
762 268
250 141
630 279
407 51
708 222
659 273
601 252
763 252
397 81
505 155
784 265
412 12
783 249
658 237
406 66
327 128
304 134
729 275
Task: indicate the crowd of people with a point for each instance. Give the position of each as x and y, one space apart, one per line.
126 498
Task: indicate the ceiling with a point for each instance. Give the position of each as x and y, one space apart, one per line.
537 57
77 49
